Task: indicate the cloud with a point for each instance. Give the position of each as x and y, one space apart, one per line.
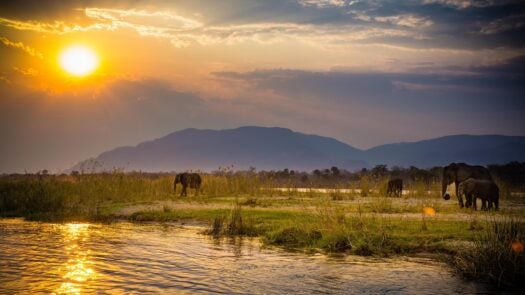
53 28
325 24
428 89
323 3
26 71
21 46
464 4
162 18
405 20
514 22
186 31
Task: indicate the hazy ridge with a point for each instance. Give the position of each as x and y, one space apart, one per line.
277 148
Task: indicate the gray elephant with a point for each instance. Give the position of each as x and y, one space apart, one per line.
456 173
193 180
486 190
394 188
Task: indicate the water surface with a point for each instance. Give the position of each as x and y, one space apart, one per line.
166 258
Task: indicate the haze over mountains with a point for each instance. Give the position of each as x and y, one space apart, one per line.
278 148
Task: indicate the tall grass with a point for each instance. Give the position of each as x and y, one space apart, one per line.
497 255
364 185
234 224
79 195
221 185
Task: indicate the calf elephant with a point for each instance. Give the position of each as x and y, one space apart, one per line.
394 188
486 190
193 180
456 173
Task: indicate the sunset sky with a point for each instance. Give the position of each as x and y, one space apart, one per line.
364 72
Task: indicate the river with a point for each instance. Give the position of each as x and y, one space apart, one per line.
75 258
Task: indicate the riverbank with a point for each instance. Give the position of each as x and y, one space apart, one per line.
330 222
372 225
468 244
359 226
125 257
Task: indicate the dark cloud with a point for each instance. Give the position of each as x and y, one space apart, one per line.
55 9
484 98
425 24
498 86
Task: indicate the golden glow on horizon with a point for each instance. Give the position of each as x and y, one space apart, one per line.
79 60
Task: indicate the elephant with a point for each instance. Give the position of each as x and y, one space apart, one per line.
486 190
193 180
394 188
455 173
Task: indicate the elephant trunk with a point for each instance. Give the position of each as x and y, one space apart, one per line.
444 193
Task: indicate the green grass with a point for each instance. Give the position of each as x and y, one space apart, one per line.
326 228
244 205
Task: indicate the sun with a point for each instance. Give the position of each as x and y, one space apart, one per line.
78 60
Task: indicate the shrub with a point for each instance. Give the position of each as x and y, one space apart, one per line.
338 241
295 237
234 224
497 255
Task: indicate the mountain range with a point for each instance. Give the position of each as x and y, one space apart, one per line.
277 148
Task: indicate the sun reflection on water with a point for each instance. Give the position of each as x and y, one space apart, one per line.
78 269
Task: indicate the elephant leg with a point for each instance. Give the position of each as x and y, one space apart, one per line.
484 204
460 201
460 198
496 203
490 204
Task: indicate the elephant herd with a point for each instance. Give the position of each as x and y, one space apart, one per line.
472 182
459 179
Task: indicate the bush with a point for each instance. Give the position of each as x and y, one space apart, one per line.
234 224
497 255
295 237
338 241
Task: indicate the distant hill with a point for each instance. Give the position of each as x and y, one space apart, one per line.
244 147
279 148
473 149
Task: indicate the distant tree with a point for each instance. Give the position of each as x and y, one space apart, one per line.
512 173
379 171
304 178
335 171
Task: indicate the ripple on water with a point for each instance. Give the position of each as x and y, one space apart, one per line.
124 258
